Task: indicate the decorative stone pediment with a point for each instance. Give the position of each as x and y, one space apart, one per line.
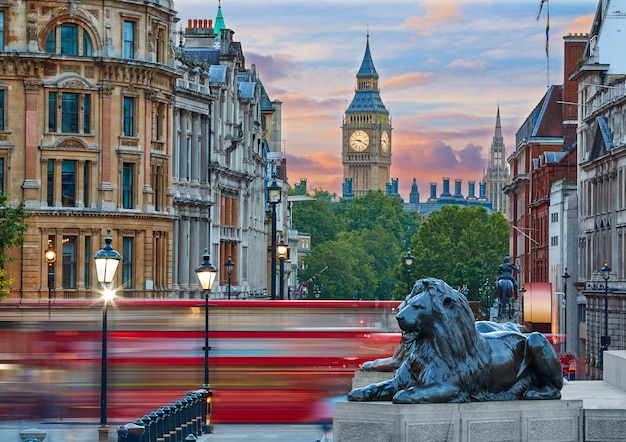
74 83
71 144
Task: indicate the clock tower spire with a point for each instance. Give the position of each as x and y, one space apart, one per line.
366 150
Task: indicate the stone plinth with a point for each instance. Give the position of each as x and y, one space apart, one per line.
476 422
589 411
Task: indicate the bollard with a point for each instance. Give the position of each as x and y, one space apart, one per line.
122 434
572 373
190 438
185 418
134 432
153 426
160 425
33 435
195 412
180 414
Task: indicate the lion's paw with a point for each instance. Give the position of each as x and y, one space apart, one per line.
357 395
403 397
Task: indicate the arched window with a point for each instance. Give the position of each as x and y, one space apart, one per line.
69 39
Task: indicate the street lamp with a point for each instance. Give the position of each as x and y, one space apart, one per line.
51 256
408 260
206 274
486 290
565 276
282 252
107 261
605 341
273 197
229 269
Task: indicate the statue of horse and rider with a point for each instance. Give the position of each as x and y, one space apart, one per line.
506 288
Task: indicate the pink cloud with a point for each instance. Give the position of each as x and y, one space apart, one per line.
435 13
408 79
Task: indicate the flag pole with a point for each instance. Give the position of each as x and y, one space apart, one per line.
547 42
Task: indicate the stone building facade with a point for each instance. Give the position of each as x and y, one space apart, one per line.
86 91
602 182
110 118
225 127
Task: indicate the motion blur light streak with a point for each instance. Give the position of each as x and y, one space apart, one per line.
280 361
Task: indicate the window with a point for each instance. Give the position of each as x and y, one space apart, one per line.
86 114
2 30
75 112
52 112
129 116
69 112
129 39
50 190
127 185
127 262
86 184
68 183
69 262
1 175
1 109
87 260
73 41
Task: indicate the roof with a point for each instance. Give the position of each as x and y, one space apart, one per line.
367 101
367 69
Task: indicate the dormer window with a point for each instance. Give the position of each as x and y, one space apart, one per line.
69 39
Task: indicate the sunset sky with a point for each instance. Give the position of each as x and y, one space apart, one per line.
444 67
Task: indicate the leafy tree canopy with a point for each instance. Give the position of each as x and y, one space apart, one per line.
461 245
12 232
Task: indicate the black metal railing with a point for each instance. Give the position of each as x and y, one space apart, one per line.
180 421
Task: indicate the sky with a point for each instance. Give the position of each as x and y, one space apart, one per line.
445 66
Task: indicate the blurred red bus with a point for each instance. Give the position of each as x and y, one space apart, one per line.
270 361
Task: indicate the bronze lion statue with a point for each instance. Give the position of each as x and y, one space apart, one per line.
445 356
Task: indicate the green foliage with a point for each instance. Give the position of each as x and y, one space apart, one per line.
317 217
12 227
12 232
357 240
363 243
461 246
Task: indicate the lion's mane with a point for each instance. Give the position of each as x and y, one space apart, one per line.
453 342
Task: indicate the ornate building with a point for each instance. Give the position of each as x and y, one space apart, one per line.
497 175
601 81
118 122
86 141
366 151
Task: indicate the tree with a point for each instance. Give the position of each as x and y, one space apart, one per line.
461 245
373 227
12 232
317 217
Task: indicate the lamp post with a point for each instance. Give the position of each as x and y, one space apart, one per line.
565 276
51 256
605 341
486 290
282 252
229 269
408 261
107 261
206 274
273 197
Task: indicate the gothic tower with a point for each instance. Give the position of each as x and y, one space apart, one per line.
497 175
366 151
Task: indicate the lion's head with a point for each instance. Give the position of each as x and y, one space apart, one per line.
436 313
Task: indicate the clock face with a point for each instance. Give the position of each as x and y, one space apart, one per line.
385 144
359 140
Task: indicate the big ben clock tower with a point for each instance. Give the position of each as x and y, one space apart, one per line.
366 152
